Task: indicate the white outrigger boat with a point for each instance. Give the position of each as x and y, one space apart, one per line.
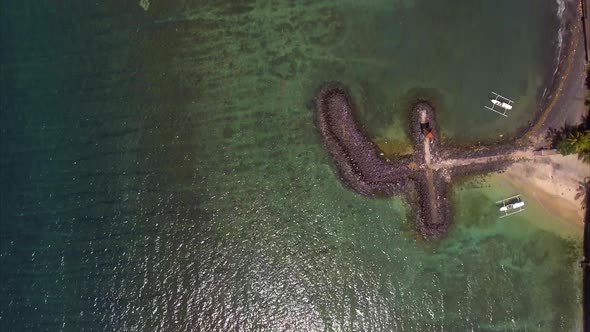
511 205
504 104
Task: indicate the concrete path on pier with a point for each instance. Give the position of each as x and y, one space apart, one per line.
514 156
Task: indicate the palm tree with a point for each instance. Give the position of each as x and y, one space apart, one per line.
575 142
564 147
579 141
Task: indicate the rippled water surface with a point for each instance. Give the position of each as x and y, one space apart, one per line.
161 171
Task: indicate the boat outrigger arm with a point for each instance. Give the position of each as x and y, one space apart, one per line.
511 205
502 104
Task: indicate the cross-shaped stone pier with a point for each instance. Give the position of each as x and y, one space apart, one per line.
424 176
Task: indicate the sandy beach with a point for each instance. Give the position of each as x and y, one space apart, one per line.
555 182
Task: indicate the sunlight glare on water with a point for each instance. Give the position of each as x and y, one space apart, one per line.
161 170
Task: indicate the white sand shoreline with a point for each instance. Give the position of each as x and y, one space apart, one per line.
555 182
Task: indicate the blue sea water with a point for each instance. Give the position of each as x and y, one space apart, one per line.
160 169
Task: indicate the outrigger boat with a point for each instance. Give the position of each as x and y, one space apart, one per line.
511 205
503 103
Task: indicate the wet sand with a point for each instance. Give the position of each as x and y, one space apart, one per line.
565 102
556 182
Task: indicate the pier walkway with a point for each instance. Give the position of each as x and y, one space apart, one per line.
437 170
514 156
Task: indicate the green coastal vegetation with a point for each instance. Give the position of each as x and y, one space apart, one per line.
576 142
576 139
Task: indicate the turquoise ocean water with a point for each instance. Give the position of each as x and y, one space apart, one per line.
160 169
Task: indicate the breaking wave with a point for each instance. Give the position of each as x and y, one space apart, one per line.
560 32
